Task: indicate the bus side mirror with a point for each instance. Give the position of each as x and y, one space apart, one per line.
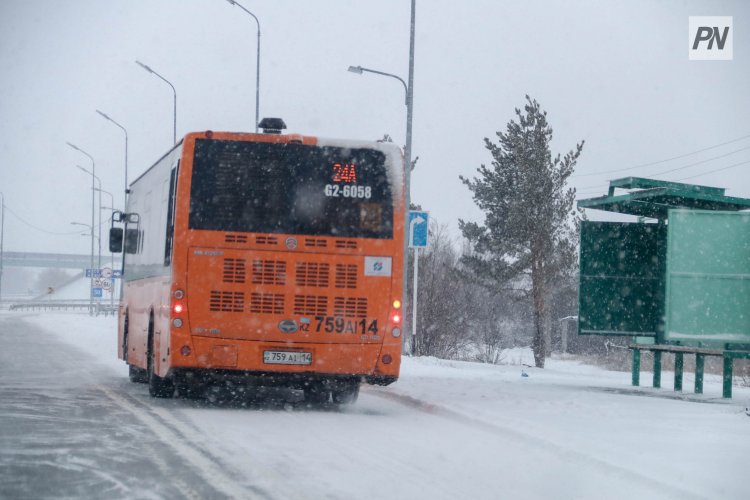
115 239
131 241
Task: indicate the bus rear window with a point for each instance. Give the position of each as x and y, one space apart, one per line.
290 188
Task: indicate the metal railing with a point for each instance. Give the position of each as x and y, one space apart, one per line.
99 308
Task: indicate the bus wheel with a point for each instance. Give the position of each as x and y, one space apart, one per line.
136 374
345 392
188 388
157 387
317 393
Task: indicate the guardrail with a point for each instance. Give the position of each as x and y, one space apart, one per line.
99 308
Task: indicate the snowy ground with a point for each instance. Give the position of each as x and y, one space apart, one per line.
449 429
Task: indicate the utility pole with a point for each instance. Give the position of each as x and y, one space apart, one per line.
2 234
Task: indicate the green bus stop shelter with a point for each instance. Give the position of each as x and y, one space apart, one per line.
679 275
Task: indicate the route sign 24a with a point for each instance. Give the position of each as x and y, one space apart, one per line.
418 225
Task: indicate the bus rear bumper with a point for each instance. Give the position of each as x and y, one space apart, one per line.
192 377
373 363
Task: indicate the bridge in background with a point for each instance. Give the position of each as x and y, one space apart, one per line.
59 260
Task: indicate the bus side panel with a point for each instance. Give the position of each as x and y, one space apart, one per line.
147 271
393 346
144 297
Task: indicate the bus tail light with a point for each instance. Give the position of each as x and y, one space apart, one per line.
396 332
396 316
178 307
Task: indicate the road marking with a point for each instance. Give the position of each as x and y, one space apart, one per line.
211 473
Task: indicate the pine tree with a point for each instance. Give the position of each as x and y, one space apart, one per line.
529 230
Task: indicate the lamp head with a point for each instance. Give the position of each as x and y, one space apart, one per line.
139 63
356 69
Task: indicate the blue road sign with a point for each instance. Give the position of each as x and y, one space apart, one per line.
103 273
418 225
96 293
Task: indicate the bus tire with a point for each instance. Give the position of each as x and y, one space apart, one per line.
189 389
137 375
317 393
125 347
345 392
158 387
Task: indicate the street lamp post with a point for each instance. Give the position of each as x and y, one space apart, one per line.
102 207
111 255
174 92
99 181
407 148
407 155
111 198
359 70
2 234
257 65
93 170
106 117
91 232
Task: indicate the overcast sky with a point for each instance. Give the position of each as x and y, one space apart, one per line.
615 73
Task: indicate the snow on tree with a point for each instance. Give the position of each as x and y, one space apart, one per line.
529 231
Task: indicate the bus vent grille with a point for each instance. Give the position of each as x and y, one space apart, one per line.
227 301
312 274
269 272
315 242
234 271
266 240
267 303
350 307
346 244
311 305
235 238
346 276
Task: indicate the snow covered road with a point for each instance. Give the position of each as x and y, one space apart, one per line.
73 426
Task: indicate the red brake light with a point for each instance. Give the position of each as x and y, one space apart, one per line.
178 308
397 318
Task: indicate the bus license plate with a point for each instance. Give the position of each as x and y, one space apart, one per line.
287 358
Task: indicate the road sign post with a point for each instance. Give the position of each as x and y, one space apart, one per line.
418 226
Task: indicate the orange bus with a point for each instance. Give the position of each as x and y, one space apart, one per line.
264 260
